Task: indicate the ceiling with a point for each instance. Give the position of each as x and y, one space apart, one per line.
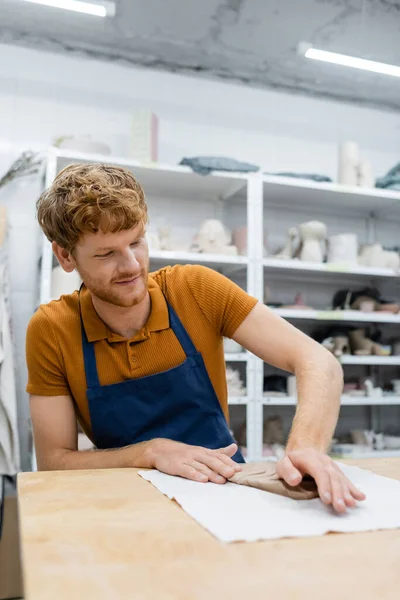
249 41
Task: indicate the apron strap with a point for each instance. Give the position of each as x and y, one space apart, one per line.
89 357
180 332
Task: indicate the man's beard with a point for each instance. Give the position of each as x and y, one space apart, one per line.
109 293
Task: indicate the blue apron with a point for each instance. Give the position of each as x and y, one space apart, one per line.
179 404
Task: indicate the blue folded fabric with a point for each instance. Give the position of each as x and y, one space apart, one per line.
312 176
204 165
391 180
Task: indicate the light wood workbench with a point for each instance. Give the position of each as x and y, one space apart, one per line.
110 535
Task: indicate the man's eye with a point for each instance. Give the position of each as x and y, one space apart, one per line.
103 255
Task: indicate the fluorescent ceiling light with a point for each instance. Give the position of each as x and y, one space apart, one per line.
99 9
348 61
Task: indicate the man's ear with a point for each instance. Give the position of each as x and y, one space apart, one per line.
64 257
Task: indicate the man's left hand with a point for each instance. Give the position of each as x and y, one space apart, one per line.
333 486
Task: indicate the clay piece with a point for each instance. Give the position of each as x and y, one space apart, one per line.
349 158
213 239
343 248
313 237
363 346
371 391
288 251
234 383
338 345
375 256
263 476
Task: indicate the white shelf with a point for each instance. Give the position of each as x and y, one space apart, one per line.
291 192
369 454
350 316
167 181
236 357
234 400
299 267
348 359
164 257
345 401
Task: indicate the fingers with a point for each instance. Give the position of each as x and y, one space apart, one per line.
336 478
354 491
211 475
213 462
191 473
324 486
228 461
287 471
228 450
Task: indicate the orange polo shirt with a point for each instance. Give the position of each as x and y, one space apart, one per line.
208 304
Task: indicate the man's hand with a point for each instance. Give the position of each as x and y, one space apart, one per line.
193 462
333 486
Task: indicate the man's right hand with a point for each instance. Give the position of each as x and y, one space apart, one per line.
193 462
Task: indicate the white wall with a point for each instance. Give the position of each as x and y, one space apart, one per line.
43 96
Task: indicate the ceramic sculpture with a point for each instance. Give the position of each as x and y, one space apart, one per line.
313 236
288 250
374 255
234 383
213 239
349 158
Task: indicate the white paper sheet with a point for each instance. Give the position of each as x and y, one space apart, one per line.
234 513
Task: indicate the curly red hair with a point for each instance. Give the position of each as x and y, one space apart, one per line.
87 197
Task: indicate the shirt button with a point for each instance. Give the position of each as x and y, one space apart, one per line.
134 359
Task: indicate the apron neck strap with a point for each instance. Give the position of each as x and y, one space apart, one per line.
180 332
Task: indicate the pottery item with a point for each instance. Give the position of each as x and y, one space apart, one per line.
232 347
288 251
371 391
343 248
213 239
273 430
363 346
239 239
63 282
349 159
234 383
374 255
396 386
365 175
313 236
338 345
391 442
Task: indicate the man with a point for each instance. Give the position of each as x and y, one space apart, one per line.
138 359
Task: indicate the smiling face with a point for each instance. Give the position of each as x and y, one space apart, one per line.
114 266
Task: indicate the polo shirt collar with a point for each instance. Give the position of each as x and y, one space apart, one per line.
97 330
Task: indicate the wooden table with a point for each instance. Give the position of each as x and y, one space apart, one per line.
110 535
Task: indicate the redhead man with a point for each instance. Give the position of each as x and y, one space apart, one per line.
137 357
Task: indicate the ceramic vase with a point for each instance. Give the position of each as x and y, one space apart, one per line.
343 248
349 159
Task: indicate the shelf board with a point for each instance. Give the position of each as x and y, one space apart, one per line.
303 268
348 359
167 181
369 454
236 357
345 401
287 192
350 316
222 261
235 400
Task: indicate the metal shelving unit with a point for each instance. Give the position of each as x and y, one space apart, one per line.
255 195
